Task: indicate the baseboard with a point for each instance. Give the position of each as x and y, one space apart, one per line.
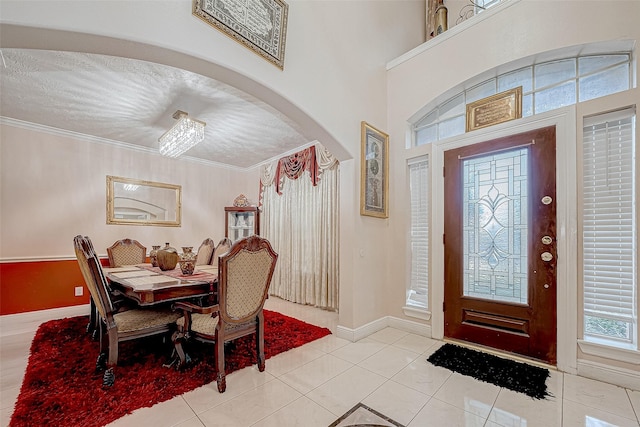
13 324
615 375
379 324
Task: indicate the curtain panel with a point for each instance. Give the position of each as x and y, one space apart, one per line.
299 203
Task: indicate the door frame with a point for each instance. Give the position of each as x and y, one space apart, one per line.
566 215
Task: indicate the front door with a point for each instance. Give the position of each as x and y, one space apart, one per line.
500 244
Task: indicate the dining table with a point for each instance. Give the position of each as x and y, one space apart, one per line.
148 285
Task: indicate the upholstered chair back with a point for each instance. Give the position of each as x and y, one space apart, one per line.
223 247
126 252
205 252
245 276
92 272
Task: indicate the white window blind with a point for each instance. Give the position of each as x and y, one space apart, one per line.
609 229
418 292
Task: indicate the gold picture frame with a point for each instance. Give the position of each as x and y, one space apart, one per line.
374 172
260 26
498 108
137 202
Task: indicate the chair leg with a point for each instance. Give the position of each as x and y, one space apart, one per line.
94 321
113 347
92 325
109 378
221 377
260 341
179 357
101 362
111 356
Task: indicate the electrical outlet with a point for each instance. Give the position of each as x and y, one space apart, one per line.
79 291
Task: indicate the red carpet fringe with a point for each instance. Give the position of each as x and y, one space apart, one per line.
62 388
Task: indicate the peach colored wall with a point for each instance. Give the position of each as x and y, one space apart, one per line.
53 187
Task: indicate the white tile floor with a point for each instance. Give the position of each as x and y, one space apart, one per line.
315 384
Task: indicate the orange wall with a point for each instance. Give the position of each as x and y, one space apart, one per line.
40 285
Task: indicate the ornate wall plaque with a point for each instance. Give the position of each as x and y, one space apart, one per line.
374 172
260 25
495 109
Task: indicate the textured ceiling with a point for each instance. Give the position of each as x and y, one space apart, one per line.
132 102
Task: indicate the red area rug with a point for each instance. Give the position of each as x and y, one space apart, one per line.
62 388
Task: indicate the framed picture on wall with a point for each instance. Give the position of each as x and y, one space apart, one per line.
259 25
374 172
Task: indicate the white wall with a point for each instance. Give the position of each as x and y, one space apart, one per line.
334 77
476 50
54 188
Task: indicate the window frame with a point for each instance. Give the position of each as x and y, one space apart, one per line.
529 93
595 343
413 308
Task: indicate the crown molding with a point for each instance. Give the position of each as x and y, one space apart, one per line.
111 142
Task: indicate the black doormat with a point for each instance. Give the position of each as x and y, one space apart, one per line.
521 377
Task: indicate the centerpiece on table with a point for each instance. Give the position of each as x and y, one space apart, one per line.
167 258
187 260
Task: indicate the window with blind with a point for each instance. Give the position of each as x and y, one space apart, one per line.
418 289
609 229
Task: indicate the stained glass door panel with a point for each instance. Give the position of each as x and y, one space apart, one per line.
500 246
495 226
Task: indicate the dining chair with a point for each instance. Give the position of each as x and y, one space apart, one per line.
122 252
224 245
244 277
116 326
205 252
126 252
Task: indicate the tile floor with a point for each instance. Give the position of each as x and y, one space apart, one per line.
315 384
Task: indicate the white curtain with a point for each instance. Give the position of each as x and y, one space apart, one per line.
302 226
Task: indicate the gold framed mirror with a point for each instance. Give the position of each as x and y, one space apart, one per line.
137 202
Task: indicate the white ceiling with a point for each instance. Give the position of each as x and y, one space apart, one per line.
132 102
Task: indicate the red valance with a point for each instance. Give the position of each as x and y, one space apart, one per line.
293 167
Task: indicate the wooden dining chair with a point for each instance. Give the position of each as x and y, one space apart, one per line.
126 252
116 326
224 245
122 252
244 276
205 252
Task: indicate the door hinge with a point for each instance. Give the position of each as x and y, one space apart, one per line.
443 309
443 239
443 171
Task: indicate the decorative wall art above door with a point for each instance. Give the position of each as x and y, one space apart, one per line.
259 25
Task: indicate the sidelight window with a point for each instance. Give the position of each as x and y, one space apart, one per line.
418 290
609 229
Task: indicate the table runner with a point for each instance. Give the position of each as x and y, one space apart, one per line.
177 273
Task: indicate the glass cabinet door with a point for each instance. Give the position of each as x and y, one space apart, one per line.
241 223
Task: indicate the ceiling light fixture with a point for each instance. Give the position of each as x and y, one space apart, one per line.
182 136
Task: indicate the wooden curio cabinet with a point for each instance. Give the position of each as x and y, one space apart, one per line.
241 222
